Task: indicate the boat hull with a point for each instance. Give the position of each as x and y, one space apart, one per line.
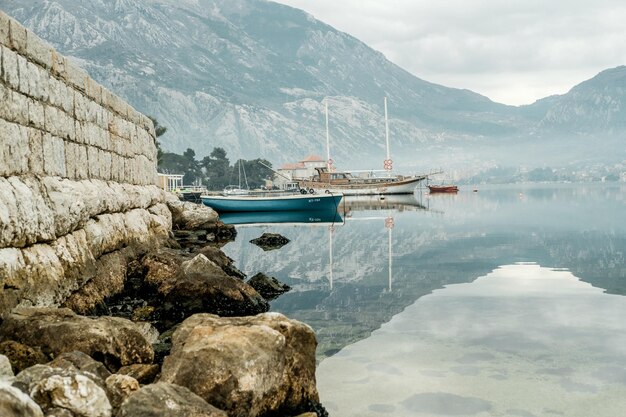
298 202
443 189
406 186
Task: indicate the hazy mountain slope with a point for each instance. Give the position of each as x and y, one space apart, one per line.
597 105
249 75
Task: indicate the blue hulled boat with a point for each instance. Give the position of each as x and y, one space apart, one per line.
292 202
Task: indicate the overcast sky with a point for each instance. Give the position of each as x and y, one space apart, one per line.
512 51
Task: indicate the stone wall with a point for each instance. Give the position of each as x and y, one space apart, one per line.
77 174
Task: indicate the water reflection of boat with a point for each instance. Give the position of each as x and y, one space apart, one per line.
324 217
399 202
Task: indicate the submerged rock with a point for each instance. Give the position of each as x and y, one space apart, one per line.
114 341
167 400
268 287
247 366
270 241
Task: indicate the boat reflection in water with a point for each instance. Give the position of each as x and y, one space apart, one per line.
260 218
396 202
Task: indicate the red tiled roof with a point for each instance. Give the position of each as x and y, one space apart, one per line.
313 158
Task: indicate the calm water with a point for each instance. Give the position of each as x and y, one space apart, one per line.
506 302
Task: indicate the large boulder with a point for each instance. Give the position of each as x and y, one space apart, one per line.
112 340
167 400
191 216
82 362
247 366
69 389
15 403
211 292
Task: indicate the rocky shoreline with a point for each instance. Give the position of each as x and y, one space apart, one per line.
172 329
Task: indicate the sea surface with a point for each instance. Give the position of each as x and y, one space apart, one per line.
507 301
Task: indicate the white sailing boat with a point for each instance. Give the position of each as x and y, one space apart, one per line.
329 180
237 189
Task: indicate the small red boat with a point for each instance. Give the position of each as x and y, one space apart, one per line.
443 188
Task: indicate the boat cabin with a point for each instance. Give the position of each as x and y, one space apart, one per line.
323 175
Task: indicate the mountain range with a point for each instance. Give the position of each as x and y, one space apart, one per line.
252 76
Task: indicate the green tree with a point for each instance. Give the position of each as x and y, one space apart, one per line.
159 131
257 173
217 169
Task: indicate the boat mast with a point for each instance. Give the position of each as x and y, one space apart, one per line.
331 229
328 161
388 162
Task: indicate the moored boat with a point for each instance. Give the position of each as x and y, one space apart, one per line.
347 184
443 188
291 202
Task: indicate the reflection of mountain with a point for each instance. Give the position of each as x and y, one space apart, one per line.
518 341
581 228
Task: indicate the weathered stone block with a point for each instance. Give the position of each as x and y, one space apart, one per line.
59 95
71 159
107 98
4 29
134 116
58 123
32 216
18 108
79 134
22 69
13 149
35 157
75 75
38 50
54 156
17 34
36 114
93 90
5 102
92 159
10 74
80 106
37 82
82 170
59 63
93 110
105 163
